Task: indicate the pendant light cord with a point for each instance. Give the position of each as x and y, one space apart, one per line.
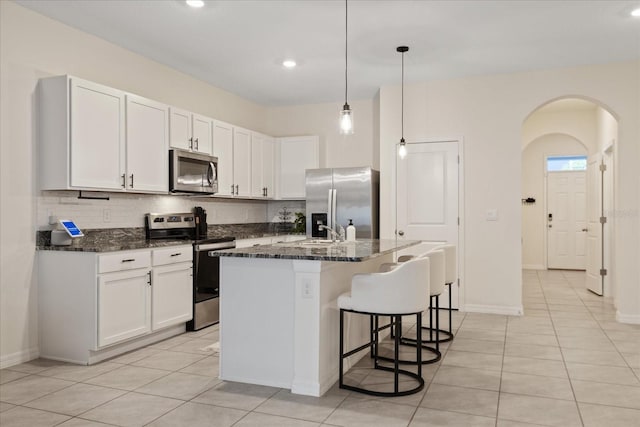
402 108
346 67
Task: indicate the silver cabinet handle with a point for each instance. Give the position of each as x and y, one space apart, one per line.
128 260
585 229
401 233
149 275
123 181
196 141
190 143
232 192
176 254
237 190
131 180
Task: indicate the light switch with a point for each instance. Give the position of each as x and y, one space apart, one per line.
492 214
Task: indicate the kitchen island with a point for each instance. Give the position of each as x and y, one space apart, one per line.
278 310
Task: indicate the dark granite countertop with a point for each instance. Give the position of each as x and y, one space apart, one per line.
122 239
360 250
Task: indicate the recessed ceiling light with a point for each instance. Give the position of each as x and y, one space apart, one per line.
289 63
195 3
636 12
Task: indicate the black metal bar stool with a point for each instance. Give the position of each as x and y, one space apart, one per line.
400 292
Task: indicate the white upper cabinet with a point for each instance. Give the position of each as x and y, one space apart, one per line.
223 150
262 159
82 127
189 131
242 161
97 138
147 145
295 156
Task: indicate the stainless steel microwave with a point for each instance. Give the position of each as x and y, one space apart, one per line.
192 172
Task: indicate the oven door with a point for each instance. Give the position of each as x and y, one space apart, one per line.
192 172
206 284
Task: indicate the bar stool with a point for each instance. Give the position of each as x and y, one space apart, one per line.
451 275
437 265
400 292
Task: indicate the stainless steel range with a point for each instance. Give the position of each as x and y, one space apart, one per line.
206 269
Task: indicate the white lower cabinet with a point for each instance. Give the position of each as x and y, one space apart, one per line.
171 294
124 306
95 306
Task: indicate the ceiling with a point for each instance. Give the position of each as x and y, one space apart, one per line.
239 45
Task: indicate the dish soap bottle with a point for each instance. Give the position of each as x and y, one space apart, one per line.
351 232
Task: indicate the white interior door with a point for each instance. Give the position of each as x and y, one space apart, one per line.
566 220
594 237
427 192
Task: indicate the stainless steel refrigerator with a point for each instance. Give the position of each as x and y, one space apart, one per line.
335 196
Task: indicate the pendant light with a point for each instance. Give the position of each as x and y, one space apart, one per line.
346 115
402 150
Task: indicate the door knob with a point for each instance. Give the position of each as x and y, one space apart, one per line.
550 226
401 233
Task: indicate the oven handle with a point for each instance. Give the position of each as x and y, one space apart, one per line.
214 246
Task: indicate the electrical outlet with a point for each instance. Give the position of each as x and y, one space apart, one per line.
307 289
106 215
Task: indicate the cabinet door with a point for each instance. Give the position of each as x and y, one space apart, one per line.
171 295
97 136
180 129
268 162
296 155
147 148
201 127
242 161
223 150
124 306
257 186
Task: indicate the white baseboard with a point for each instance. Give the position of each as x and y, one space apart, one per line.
19 357
533 267
493 309
633 319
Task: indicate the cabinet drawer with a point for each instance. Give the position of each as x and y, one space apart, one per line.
172 255
121 261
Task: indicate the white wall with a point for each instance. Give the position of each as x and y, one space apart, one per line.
488 113
32 46
534 223
581 124
322 119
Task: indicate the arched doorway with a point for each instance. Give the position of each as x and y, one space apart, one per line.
567 127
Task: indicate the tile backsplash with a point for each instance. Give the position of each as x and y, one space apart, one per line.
128 210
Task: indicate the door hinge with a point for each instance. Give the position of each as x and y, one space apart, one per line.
603 167
603 220
603 271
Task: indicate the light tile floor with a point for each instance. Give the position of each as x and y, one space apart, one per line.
565 362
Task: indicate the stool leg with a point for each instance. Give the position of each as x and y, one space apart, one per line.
396 357
375 347
341 345
437 323
431 319
450 310
419 343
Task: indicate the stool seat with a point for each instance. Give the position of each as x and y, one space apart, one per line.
344 301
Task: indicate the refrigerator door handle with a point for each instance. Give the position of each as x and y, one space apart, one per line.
330 209
334 212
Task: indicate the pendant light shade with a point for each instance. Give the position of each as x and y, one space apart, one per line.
402 149
346 115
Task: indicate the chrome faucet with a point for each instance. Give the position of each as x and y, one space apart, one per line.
335 236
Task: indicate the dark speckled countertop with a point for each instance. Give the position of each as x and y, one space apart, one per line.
121 239
360 250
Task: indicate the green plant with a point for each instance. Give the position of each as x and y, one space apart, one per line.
300 223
